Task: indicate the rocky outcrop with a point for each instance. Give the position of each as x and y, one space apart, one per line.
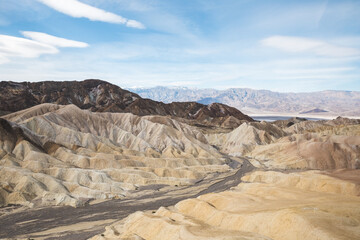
289 122
95 95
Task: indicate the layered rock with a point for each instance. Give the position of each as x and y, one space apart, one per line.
333 144
246 137
318 126
55 154
330 148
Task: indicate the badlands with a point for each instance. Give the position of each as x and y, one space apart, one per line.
100 162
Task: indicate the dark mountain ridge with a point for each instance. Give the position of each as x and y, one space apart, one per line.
101 96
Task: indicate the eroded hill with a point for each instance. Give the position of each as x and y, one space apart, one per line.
283 199
267 205
306 184
56 154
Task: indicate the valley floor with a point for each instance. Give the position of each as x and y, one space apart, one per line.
84 222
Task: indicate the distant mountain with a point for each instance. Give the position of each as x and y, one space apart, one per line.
250 101
101 96
316 110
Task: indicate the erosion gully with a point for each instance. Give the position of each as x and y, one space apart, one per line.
39 222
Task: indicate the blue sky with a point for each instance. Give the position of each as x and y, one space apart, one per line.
276 45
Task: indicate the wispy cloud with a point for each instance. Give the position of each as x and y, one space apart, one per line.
301 71
39 44
298 44
78 9
52 40
20 47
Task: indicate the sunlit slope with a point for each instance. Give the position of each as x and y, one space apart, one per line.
65 155
268 205
304 145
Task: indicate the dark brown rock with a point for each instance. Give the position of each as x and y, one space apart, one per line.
101 96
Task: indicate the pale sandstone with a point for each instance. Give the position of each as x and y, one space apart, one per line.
269 205
62 155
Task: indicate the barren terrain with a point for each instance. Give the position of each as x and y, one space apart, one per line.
73 173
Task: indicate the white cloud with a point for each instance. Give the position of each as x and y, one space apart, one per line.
298 44
20 47
134 24
78 9
52 40
39 44
291 44
300 71
3 59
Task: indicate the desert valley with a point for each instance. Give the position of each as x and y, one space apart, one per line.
179 120
88 159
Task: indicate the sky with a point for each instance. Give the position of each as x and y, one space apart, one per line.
279 45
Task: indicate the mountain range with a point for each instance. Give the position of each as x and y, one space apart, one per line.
253 102
100 96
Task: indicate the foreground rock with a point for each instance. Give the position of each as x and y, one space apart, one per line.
60 223
270 205
62 155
